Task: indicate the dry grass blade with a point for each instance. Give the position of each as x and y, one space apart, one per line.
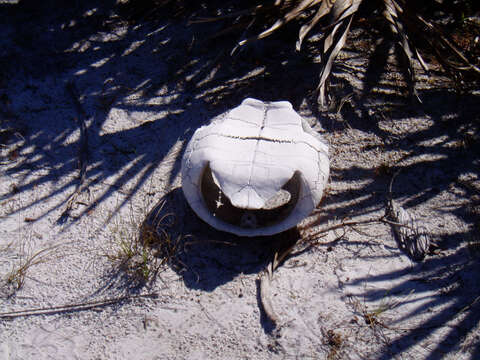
17 275
142 250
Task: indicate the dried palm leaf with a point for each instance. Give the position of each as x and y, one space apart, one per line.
323 10
443 48
339 11
411 234
391 13
293 14
341 15
406 24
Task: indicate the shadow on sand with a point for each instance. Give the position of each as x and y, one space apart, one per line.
171 78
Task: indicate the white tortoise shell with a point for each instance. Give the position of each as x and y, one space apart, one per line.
258 169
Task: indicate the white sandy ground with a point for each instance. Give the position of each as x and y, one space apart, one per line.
139 119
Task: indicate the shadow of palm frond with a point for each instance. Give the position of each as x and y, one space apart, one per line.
445 303
439 179
146 85
204 257
156 75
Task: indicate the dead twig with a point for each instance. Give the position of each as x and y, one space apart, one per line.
73 307
343 224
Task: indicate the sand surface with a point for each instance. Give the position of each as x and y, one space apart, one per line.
344 293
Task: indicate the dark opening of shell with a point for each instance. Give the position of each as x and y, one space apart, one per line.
275 210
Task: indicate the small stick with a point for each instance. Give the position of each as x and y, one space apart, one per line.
73 307
346 223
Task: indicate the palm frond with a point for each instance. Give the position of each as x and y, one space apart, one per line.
289 16
341 16
334 20
444 49
323 10
391 13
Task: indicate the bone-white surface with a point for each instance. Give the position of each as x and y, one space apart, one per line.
253 150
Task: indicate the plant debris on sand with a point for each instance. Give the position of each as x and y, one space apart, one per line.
137 275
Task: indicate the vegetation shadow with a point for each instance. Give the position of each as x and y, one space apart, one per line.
167 79
156 73
204 257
